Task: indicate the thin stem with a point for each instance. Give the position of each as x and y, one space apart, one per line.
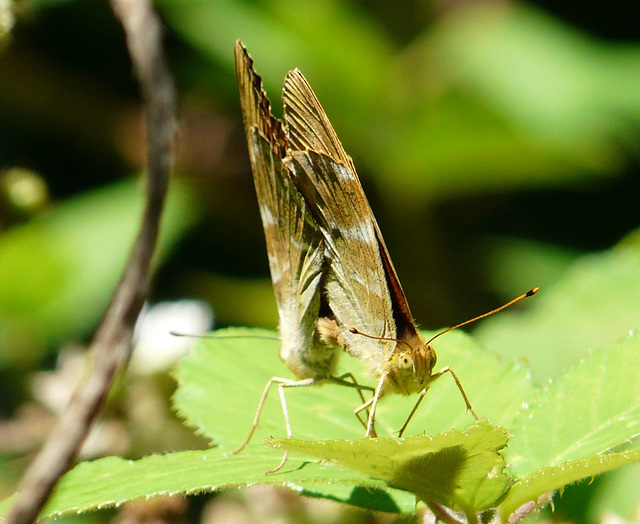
111 346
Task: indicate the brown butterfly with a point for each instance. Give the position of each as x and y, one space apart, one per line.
325 244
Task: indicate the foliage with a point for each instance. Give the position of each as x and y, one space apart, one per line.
461 99
493 141
563 433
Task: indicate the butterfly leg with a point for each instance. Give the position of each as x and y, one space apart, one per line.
415 408
308 382
354 384
362 421
282 383
342 379
287 423
459 384
373 404
285 412
444 370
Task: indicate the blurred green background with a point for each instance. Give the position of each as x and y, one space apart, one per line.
498 143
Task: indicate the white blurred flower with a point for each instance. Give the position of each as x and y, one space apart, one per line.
155 348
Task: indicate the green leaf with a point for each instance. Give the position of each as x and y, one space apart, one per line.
109 482
222 380
527 492
497 391
58 271
594 303
434 113
527 97
457 468
592 408
279 43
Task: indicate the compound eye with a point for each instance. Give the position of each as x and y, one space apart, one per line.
405 361
432 358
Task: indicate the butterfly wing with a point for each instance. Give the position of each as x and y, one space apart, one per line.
362 286
294 243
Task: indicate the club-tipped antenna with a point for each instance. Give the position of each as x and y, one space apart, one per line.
528 294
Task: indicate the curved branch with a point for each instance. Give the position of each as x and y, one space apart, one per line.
111 346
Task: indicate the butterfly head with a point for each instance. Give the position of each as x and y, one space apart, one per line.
410 367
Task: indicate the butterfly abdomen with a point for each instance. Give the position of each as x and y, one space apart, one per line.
317 361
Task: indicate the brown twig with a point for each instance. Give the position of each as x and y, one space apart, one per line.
111 345
442 514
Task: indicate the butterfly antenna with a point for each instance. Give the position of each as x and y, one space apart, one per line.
373 337
178 334
528 294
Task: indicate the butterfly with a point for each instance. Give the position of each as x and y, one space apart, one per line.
352 272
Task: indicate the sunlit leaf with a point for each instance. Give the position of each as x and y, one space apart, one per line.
221 382
594 302
593 408
462 469
528 490
109 482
